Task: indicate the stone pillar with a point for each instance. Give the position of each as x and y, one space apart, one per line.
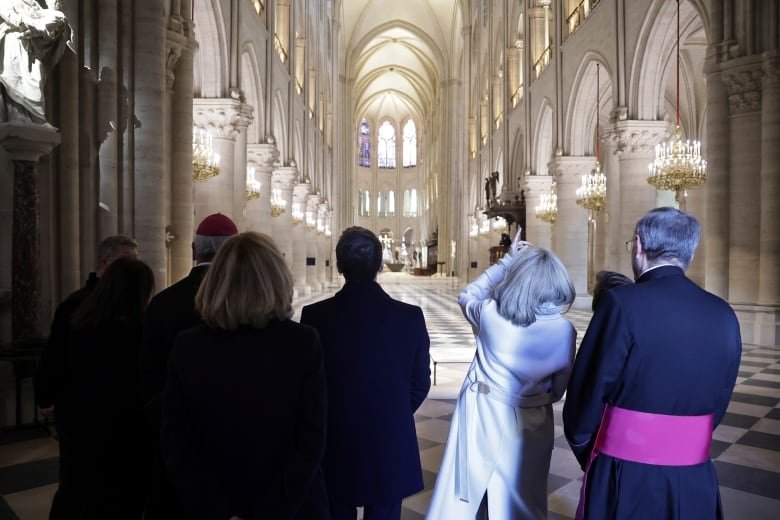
182 221
767 329
107 119
769 240
615 250
537 231
570 241
243 120
149 146
281 225
224 118
25 144
322 246
634 143
262 157
744 88
312 208
300 194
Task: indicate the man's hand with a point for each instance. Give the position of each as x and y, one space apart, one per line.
518 244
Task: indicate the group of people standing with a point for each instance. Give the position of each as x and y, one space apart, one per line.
211 403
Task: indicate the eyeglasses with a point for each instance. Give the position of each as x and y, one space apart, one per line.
630 244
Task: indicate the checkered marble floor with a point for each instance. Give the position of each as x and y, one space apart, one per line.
745 448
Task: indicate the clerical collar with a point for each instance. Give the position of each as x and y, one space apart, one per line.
656 267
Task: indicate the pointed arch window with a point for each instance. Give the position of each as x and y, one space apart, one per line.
385 153
410 144
380 209
391 203
364 144
410 202
364 203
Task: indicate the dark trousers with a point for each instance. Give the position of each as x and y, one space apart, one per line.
372 512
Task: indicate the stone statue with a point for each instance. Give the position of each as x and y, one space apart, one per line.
32 40
493 187
487 192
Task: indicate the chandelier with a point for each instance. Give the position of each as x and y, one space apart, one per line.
205 162
592 195
278 204
311 219
297 213
678 165
252 184
547 209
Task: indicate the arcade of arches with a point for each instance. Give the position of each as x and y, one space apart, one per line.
347 113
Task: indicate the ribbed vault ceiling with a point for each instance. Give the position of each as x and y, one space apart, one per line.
397 52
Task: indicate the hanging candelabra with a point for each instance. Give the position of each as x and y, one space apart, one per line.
678 164
252 184
297 213
278 204
547 209
205 162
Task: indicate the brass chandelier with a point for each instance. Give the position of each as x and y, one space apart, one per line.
278 204
592 195
205 162
678 165
252 184
547 209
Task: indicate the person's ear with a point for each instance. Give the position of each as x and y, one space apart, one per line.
638 245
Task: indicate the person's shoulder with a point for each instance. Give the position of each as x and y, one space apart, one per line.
406 308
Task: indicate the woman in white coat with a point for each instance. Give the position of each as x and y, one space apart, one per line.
498 452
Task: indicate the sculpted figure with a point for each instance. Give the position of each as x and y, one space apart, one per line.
32 40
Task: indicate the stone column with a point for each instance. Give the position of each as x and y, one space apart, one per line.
149 145
769 239
182 220
300 193
262 157
570 241
281 225
744 87
634 143
25 144
312 208
107 119
223 118
537 231
615 249
322 246
245 117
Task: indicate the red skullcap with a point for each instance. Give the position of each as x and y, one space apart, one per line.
216 225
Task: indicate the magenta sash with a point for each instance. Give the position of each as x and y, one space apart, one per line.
650 438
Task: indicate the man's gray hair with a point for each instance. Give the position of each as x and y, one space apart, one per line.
668 235
109 247
205 247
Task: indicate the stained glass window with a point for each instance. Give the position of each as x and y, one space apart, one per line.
385 153
364 144
410 144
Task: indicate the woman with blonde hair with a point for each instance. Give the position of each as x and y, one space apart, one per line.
243 428
501 437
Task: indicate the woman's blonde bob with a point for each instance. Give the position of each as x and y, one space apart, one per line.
248 283
536 282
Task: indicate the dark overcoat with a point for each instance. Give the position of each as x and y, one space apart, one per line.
664 346
378 374
243 425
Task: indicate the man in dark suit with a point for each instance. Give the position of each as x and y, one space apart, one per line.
170 312
49 379
377 373
652 379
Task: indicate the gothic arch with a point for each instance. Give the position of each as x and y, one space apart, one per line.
654 61
579 133
542 148
279 123
210 62
252 86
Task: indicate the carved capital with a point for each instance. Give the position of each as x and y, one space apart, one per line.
771 69
568 169
744 89
174 53
633 138
313 202
284 177
535 185
301 192
262 156
223 117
